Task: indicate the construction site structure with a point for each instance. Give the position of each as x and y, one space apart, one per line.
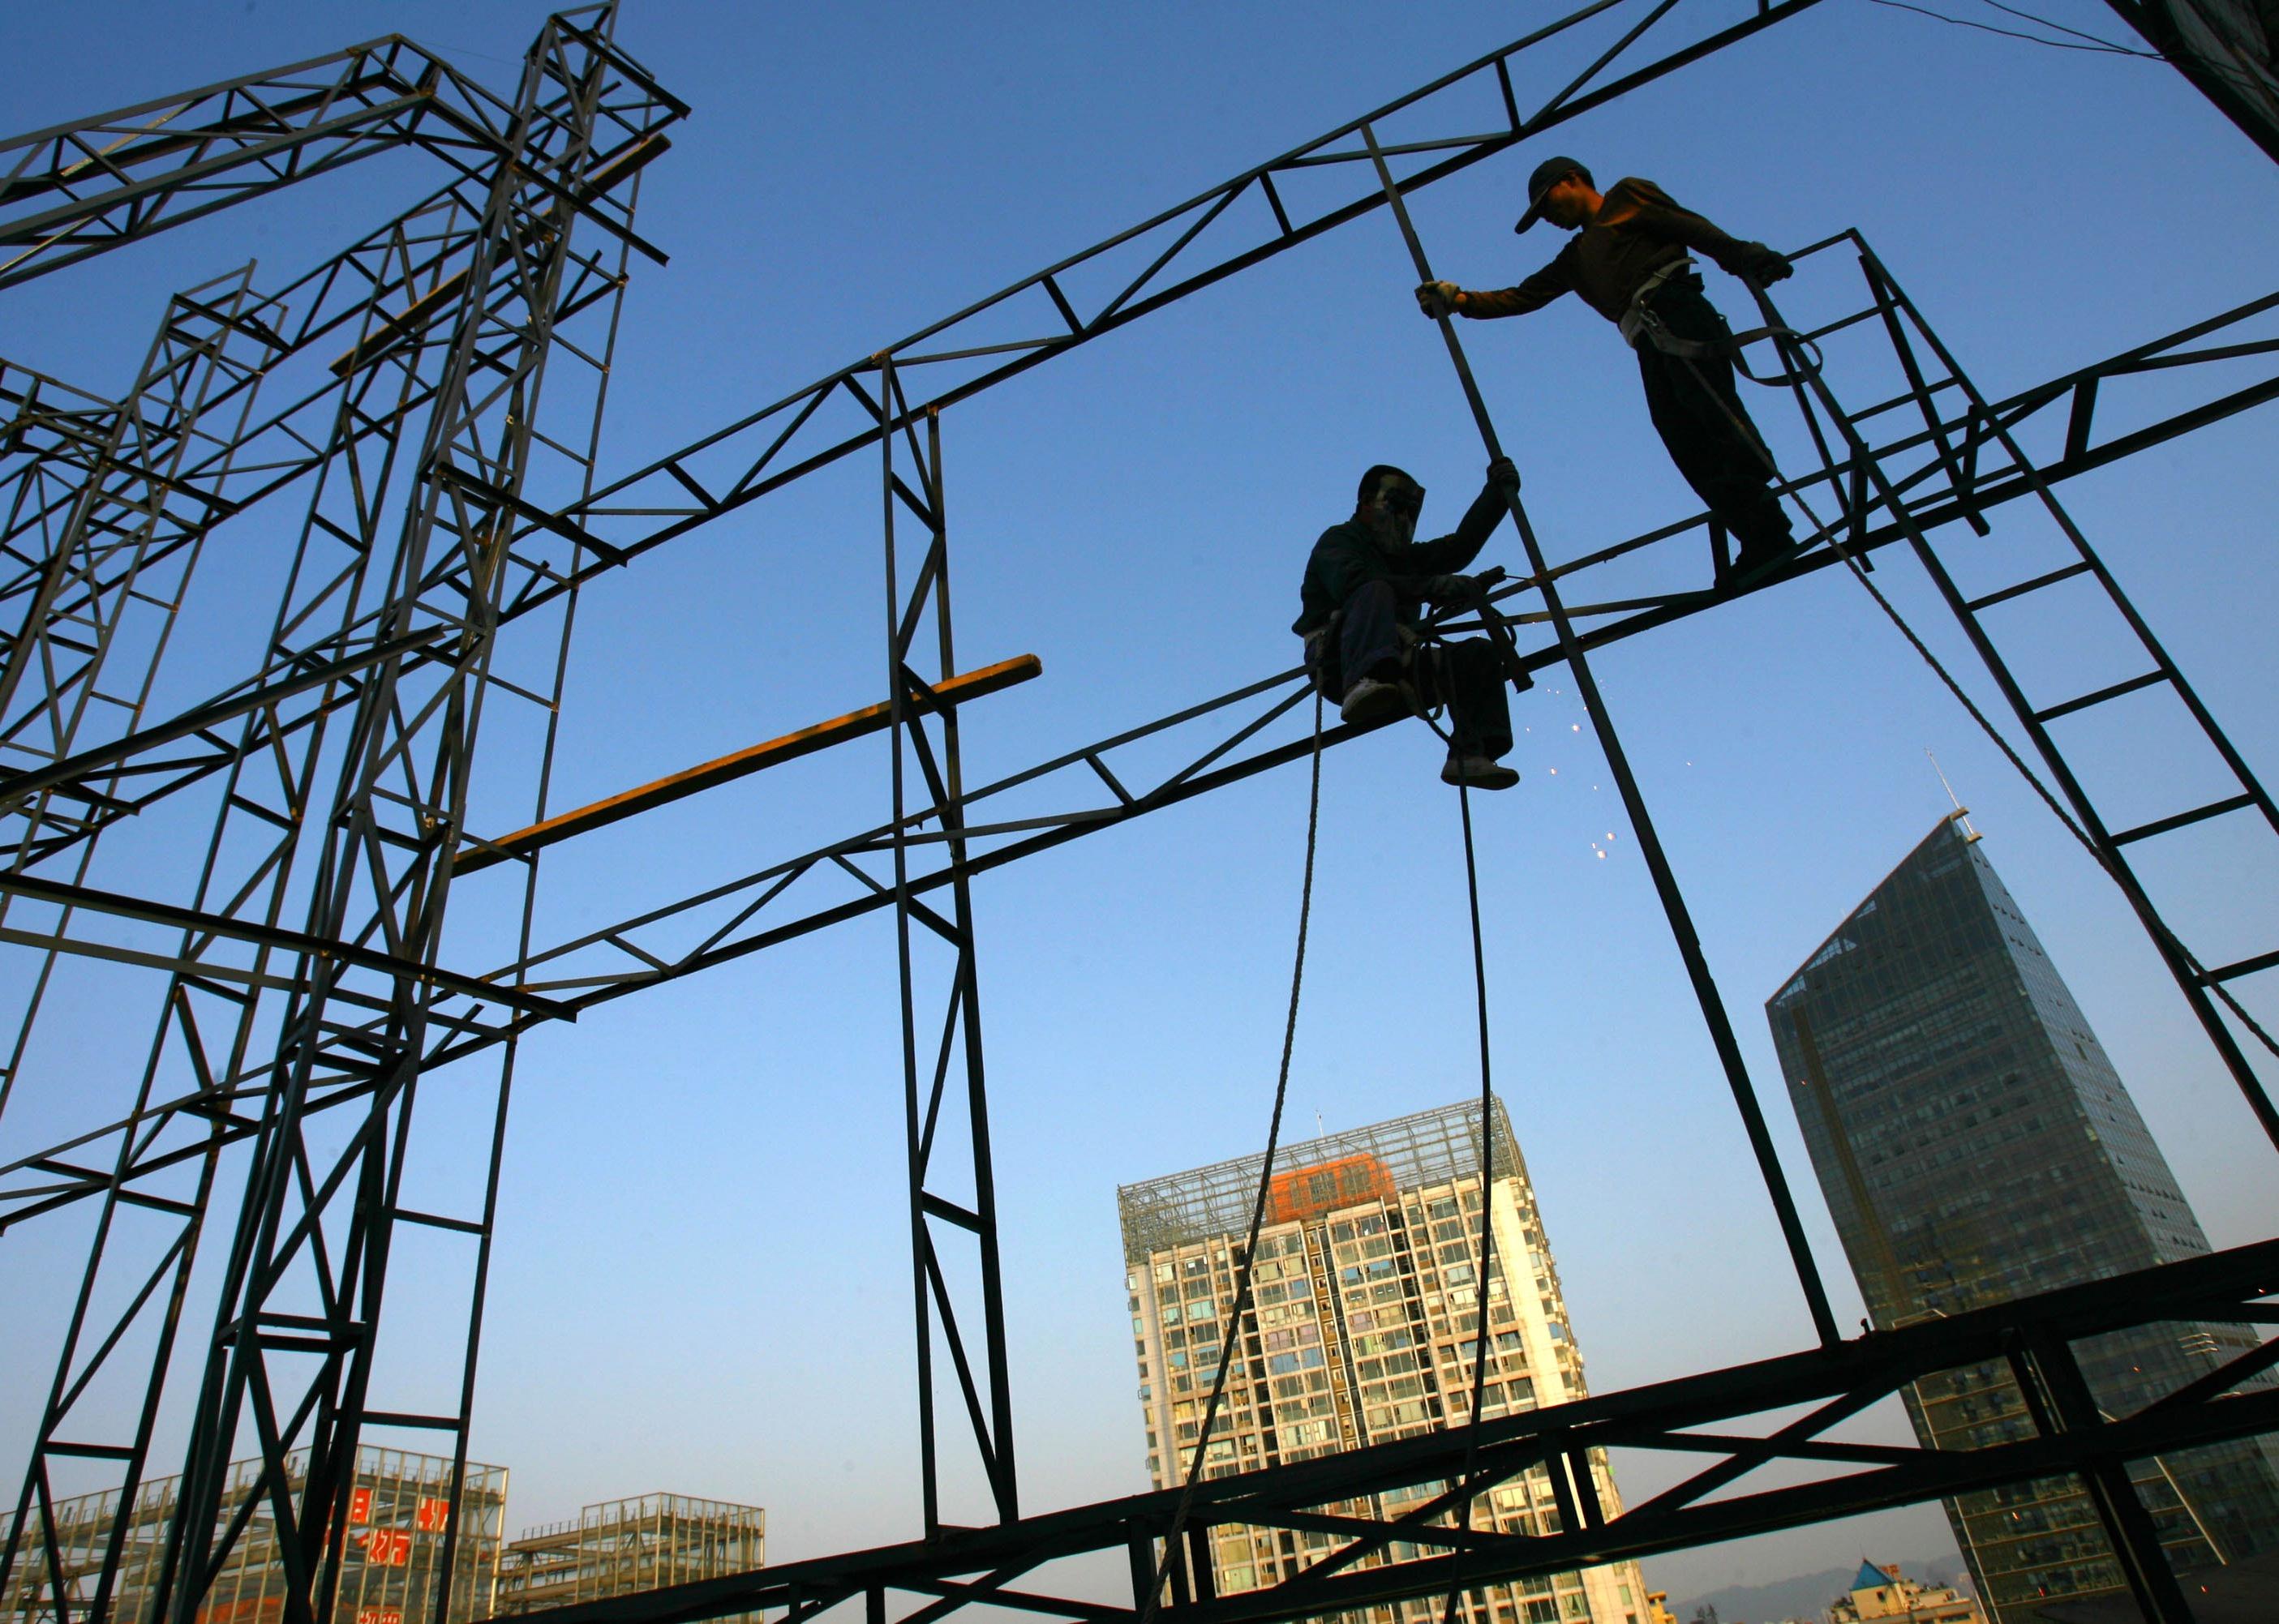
617 1547
392 1570
427 405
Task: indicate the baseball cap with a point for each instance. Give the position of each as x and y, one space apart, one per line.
1547 174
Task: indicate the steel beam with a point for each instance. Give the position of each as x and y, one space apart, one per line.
1706 1415
690 935
79 188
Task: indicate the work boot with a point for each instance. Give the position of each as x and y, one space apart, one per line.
1478 771
1754 560
1370 701
1765 540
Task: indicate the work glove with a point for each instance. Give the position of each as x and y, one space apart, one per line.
1503 477
1438 299
1448 591
1764 266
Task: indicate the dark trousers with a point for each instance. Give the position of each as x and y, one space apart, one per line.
1467 676
1708 431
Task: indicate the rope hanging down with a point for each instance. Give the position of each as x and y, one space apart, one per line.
1485 1254
1231 1346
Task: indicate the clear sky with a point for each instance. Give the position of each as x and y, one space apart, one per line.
700 1283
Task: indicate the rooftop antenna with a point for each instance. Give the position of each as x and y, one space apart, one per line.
1319 1132
1962 812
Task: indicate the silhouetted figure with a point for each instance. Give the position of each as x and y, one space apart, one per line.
1629 261
1366 583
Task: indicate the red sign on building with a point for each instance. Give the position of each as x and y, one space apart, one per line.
359 1505
379 1615
433 1515
387 1547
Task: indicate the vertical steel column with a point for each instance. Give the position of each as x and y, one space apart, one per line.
76 601
206 1026
2059 1400
127 515
317 1225
482 1226
1665 881
911 700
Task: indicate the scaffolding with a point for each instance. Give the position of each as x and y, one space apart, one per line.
393 1525
1426 1147
448 378
617 1547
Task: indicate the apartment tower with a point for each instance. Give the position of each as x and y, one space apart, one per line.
1364 1328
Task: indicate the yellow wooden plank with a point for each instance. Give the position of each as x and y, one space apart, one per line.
854 724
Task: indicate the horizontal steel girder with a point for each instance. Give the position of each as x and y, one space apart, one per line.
766 912
1688 1415
79 188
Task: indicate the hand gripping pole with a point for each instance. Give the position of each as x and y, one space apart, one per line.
1665 883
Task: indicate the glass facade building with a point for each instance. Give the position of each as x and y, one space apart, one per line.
394 1543
1364 1328
1975 1143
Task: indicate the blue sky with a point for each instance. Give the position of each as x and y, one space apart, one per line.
699 1285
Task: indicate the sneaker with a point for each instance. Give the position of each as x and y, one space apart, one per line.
1370 701
1478 772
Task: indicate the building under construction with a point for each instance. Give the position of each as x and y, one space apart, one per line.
620 1546
345 918
390 1543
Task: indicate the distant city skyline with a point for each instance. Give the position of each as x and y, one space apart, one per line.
1976 1144
397 1509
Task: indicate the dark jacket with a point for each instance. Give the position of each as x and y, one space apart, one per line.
1348 557
1639 230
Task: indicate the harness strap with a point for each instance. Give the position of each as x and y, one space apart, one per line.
1641 323
1635 319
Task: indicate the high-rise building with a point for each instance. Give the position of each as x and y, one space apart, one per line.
623 1546
1366 1299
394 1538
1976 1144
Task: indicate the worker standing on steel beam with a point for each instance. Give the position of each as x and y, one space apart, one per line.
1628 260
1366 643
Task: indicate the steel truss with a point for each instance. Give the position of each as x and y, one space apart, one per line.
455 313
1087 790
1737 1418
447 322
913 702
75 190
320 335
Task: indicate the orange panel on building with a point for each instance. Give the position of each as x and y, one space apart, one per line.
1301 1193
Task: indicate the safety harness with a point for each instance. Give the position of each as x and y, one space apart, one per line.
1642 324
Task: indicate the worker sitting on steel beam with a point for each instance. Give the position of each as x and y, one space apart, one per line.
1366 642
1628 260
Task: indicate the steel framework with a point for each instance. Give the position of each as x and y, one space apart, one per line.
440 515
